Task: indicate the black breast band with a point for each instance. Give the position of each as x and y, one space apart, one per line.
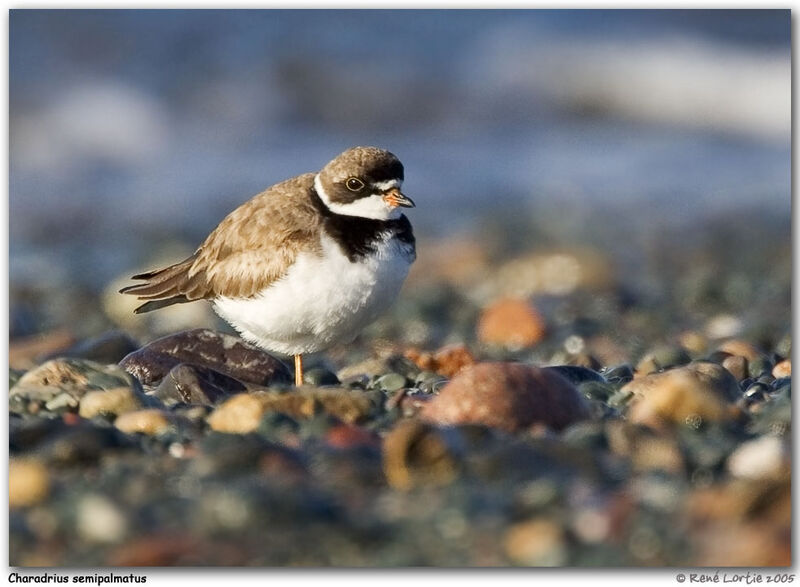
359 237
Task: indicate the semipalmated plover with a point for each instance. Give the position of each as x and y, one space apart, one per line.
305 264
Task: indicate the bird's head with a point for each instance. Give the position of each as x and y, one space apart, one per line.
363 182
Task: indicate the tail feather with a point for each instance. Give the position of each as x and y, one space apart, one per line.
158 304
167 286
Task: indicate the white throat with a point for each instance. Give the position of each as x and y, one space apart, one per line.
372 206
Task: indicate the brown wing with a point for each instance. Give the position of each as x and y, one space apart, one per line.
252 247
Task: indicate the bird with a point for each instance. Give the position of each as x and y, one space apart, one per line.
305 264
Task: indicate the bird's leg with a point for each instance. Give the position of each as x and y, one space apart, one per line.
298 370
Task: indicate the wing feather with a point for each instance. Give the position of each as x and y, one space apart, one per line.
251 248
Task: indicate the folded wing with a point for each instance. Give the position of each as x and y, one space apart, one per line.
251 248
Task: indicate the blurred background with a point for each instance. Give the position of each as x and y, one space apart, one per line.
658 139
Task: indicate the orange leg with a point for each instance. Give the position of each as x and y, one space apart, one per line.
298 370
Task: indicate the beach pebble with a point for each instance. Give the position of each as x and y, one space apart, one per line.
723 326
151 422
222 352
163 549
320 376
741 348
447 361
391 382
645 449
554 272
737 365
766 456
61 402
661 358
242 413
576 374
190 384
619 374
782 369
539 542
345 436
508 396
73 377
99 520
694 341
111 403
28 482
376 367
510 323
415 453
238 415
700 390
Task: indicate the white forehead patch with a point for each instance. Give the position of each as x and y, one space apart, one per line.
387 185
368 207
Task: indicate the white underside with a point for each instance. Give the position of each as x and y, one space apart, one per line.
322 300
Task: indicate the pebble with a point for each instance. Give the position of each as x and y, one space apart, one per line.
205 348
447 361
391 382
68 373
699 390
430 382
538 542
737 365
741 348
61 383
28 482
619 374
576 374
694 342
510 323
508 396
661 358
376 367
585 360
239 415
764 457
99 520
151 422
760 367
190 384
345 437
242 413
63 401
757 391
724 326
645 449
415 453
164 549
659 453
320 376
556 272
111 403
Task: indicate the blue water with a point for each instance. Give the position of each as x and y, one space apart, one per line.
129 125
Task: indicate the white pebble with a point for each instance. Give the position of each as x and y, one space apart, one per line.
757 459
99 520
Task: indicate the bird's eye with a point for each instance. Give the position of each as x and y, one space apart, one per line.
354 184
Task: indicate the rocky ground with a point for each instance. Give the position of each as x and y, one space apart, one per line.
526 402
